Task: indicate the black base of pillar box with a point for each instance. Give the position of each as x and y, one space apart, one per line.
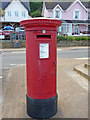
41 108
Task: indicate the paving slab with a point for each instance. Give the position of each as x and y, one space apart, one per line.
72 97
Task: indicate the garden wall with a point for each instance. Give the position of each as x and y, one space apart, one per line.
67 41
10 44
72 43
62 41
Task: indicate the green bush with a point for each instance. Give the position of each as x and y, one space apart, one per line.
85 38
61 38
37 13
36 9
77 38
36 6
71 38
82 38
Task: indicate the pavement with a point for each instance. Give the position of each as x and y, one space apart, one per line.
72 91
83 70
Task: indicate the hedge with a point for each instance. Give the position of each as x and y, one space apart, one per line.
71 38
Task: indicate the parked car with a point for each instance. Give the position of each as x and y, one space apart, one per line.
2 36
7 34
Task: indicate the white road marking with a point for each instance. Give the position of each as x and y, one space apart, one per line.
82 58
20 52
16 64
59 49
13 64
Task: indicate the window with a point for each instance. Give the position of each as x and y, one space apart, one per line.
9 13
57 13
23 14
16 13
89 15
76 29
65 28
76 14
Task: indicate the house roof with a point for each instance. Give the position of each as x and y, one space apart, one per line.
63 5
0 4
51 5
5 5
86 4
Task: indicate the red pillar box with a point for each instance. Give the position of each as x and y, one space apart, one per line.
41 61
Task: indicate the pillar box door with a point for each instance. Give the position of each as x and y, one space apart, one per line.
41 61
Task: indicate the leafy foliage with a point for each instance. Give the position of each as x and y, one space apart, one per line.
36 9
71 38
37 13
2 12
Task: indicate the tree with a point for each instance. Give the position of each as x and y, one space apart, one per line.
36 9
35 6
2 12
37 13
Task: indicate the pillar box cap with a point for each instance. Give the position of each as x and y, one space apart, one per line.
40 21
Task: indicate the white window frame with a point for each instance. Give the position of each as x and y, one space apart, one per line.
58 10
74 14
23 14
16 14
77 27
9 13
66 26
55 13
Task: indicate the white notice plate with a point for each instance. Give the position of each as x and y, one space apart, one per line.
44 50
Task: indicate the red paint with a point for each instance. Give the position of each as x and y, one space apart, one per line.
7 32
41 73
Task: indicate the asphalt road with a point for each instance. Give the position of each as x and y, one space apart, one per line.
13 58
73 53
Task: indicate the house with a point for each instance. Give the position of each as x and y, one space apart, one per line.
15 11
75 16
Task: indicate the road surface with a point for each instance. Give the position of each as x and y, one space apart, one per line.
12 58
